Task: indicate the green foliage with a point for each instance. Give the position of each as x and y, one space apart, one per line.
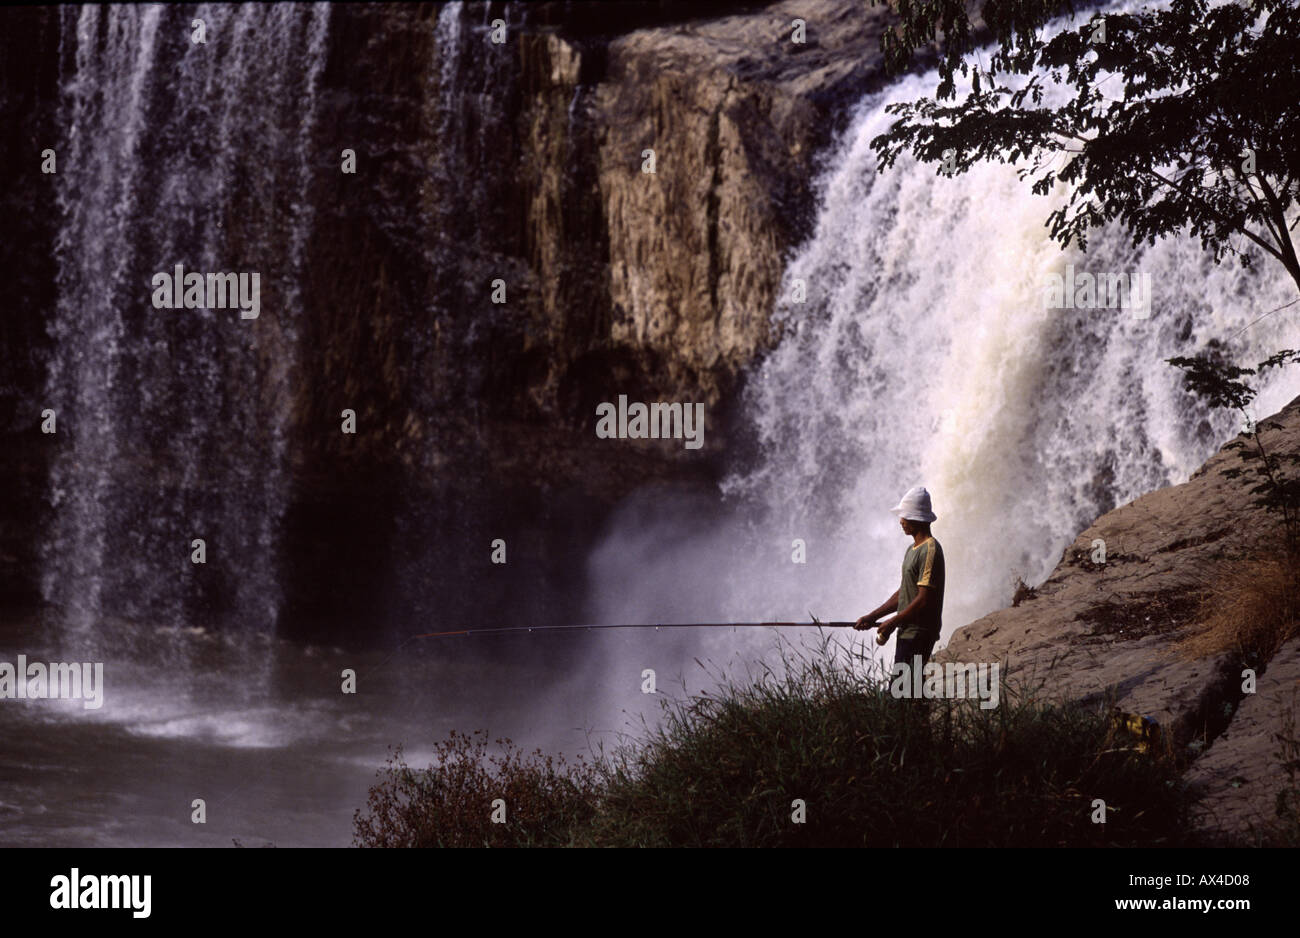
450 804
1216 382
1274 478
723 769
1182 119
945 25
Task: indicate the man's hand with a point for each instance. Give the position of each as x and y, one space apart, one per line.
865 622
883 631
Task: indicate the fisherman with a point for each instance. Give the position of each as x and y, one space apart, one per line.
919 600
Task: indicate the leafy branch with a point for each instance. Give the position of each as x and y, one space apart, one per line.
1276 483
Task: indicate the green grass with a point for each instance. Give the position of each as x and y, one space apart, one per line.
726 768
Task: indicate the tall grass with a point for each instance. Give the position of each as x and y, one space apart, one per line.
1250 609
731 767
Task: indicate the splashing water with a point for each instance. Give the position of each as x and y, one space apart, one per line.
925 353
173 422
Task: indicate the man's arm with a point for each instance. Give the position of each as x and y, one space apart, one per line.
884 609
914 610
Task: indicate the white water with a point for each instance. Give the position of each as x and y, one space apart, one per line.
171 423
924 354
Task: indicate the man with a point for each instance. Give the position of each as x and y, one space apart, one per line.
919 600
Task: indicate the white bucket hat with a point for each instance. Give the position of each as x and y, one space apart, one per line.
915 505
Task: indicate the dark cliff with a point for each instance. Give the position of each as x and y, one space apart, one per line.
520 162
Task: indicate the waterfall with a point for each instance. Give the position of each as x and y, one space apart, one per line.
924 354
172 422
468 194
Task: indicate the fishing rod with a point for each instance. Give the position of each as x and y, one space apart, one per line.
638 625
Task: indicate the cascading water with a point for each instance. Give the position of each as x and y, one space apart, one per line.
925 353
465 226
172 422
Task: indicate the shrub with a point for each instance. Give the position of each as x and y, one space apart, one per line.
723 769
450 804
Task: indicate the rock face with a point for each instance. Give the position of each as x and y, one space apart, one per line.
524 163
28 85
1240 775
476 162
1093 628
735 140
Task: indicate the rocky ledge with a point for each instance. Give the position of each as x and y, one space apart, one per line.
1114 627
